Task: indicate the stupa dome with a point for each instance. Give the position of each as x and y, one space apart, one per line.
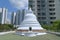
29 15
30 21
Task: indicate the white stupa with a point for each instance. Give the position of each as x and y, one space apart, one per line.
30 26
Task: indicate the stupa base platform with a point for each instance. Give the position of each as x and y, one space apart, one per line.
31 33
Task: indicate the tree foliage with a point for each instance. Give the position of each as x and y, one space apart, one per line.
55 26
6 27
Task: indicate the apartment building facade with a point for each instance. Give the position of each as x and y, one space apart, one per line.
3 15
46 11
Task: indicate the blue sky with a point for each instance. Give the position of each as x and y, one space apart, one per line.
13 5
7 4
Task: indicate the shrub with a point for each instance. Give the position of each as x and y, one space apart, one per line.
54 27
6 27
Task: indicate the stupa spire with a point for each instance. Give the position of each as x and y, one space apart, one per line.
30 9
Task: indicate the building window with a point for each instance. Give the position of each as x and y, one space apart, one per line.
38 9
51 22
43 8
39 17
38 5
52 17
51 1
52 5
43 5
52 13
52 9
31 1
43 1
30 6
43 13
38 1
39 14
44 22
43 18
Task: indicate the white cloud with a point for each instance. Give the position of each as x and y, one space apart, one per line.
20 4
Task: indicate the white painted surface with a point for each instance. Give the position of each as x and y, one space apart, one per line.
30 34
3 33
30 20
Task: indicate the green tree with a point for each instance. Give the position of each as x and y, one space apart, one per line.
6 27
56 25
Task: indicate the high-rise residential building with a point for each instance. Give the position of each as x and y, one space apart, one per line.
8 21
3 15
13 18
19 17
46 11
